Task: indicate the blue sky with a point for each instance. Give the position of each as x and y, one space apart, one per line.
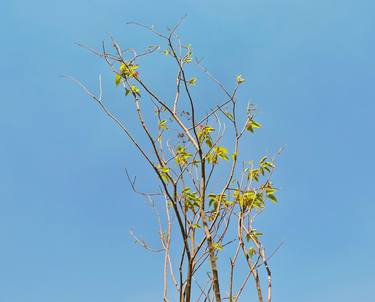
65 204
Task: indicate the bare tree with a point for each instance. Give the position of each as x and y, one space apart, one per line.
209 195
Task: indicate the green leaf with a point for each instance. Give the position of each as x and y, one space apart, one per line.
255 233
185 190
252 252
255 124
166 52
196 226
204 135
240 79
182 155
188 58
261 169
217 246
253 174
163 125
118 79
164 173
270 191
135 90
222 152
123 68
218 151
229 115
193 81
269 164
272 197
251 125
208 142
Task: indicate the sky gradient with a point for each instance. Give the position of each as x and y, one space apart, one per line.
65 203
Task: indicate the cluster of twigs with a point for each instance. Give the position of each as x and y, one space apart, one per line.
188 158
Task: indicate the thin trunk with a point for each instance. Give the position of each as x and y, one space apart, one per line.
211 249
188 282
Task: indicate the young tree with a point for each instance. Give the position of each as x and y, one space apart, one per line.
209 192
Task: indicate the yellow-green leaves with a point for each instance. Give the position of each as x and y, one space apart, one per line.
269 191
251 125
217 152
266 189
272 197
221 152
240 79
265 165
193 81
204 135
252 252
128 70
123 68
253 174
229 115
217 246
164 173
189 55
250 198
182 156
215 199
163 125
191 199
118 79
255 233
134 90
166 52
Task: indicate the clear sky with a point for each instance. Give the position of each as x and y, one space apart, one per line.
65 204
